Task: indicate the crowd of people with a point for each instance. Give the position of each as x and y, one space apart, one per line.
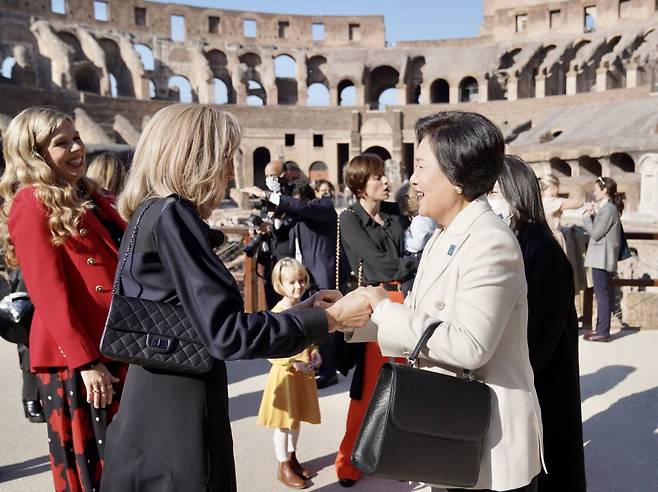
474 245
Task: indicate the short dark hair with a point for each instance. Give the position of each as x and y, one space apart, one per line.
468 147
520 187
320 182
359 170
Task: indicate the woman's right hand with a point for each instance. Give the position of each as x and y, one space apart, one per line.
350 311
98 383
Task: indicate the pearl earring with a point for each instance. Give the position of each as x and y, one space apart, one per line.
459 190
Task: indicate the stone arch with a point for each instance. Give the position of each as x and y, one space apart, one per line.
87 78
256 95
413 79
318 170
497 79
180 89
261 159
589 166
318 95
468 89
649 184
315 70
146 55
560 167
380 151
218 64
588 65
285 73
622 162
440 91
220 91
347 93
72 40
117 67
381 79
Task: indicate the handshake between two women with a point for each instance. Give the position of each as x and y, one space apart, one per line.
350 311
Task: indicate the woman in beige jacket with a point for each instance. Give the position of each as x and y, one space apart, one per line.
471 277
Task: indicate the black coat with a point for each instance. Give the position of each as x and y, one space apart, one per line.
553 344
172 431
315 231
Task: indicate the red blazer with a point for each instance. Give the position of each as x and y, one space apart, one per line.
70 285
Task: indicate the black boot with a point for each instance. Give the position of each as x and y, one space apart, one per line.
33 411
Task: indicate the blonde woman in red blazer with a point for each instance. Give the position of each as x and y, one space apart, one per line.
64 233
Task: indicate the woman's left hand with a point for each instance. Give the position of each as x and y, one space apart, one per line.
316 359
374 294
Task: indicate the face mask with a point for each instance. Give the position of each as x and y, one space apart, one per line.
502 209
273 184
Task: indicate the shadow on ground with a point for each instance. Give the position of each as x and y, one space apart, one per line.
26 468
621 444
603 380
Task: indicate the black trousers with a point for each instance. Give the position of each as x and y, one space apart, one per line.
31 383
604 296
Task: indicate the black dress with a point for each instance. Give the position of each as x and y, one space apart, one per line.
553 345
172 431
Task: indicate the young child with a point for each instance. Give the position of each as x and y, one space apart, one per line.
290 396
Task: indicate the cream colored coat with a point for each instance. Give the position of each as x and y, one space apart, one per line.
471 276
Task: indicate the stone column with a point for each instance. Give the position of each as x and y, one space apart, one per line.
333 95
601 79
631 75
361 95
454 93
401 95
512 87
425 94
483 90
572 80
540 86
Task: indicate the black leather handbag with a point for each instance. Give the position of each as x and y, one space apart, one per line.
153 334
16 311
423 426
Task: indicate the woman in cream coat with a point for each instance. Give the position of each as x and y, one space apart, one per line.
471 277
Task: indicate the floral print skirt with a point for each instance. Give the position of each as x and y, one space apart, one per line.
76 430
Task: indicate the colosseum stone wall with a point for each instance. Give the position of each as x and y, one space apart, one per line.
569 82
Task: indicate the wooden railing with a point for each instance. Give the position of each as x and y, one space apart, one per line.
588 299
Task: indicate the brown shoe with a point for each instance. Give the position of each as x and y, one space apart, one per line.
599 338
298 468
289 478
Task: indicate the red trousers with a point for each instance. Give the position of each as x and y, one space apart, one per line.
372 364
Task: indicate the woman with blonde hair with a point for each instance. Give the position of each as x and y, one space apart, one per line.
108 172
554 205
173 430
64 234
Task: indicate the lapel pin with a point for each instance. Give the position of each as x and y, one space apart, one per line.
451 249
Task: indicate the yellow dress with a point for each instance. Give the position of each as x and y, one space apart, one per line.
290 397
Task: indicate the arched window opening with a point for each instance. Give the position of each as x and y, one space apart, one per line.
468 90
8 66
623 162
255 93
285 66
560 167
389 97
382 79
346 93
180 89
261 159
318 95
114 91
440 91
221 91
153 93
146 54
589 166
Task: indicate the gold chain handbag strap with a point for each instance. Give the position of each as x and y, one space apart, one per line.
360 272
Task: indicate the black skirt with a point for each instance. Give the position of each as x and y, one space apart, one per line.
172 433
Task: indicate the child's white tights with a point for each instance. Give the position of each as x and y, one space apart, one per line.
285 443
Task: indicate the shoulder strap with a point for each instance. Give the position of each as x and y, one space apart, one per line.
131 244
360 272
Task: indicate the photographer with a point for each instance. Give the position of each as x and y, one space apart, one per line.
304 228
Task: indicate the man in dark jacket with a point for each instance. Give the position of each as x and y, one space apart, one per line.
307 232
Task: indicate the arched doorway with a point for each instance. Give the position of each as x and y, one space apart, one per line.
468 89
589 166
261 159
623 162
440 91
380 151
560 167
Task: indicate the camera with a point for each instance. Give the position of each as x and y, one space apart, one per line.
251 248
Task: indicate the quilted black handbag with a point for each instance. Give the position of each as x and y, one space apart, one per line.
153 334
423 426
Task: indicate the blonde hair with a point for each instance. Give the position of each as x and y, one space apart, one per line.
26 137
107 171
186 149
287 264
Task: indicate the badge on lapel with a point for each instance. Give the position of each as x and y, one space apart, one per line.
451 249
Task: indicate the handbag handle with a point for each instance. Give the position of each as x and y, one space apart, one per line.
131 244
338 245
424 338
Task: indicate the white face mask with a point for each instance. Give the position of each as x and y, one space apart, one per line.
273 184
502 209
